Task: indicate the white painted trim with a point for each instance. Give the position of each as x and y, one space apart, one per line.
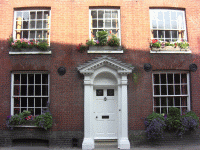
101 52
178 52
28 53
91 71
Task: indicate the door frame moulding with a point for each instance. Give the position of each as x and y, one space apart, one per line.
119 70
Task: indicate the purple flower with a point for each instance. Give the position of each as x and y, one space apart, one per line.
8 117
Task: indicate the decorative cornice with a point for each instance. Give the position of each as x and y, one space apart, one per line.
90 66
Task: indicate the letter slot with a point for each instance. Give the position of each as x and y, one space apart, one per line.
105 117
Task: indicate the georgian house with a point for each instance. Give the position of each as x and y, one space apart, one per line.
100 93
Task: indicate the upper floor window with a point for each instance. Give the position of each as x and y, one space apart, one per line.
168 25
104 19
32 24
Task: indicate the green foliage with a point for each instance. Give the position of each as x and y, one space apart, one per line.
157 44
44 120
167 44
10 40
42 45
114 41
102 37
191 114
183 45
173 119
19 119
154 116
90 42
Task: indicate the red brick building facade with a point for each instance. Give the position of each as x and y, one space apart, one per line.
170 81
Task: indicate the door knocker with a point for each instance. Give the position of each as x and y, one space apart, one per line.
105 98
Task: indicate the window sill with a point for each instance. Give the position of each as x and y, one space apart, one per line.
29 51
170 49
105 49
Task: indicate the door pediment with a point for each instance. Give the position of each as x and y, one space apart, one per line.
99 62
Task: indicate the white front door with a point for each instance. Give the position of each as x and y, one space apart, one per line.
105 113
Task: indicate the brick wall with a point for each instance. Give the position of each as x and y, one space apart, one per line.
69 27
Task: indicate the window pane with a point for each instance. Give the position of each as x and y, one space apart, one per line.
37 78
94 14
45 90
23 78
16 111
163 90
107 23
38 102
17 79
100 14
32 24
163 78
180 20
115 23
174 24
156 79
110 92
156 101
177 101
177 78
183 78
170 78
164 110
160 25
30 78
23 101
174 34
173 15
170 90
19 16
16 90
44 78
38 90
114 14
160 15
37 111
177 89
170 101
32 34
161 34
156 90
93 34
39 15
30 90
163 101
32 15
183 101
39 24
154 24
16 102
44 101
155 34
94 23
39 34
23 90
25 24
99 92
167 34
167 20
31 102
25 34
46 14
45 24
107 14
100 23
184 89
25 15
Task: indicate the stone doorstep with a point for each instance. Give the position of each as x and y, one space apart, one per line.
105 144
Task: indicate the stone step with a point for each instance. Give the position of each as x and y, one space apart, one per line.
105 144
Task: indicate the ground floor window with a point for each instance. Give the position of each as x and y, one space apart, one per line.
171 89
30 91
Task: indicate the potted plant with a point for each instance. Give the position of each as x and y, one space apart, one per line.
105 41
81 48
26 45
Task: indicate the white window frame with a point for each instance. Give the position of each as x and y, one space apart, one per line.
35 29
170 29
29 96
167 92
119 22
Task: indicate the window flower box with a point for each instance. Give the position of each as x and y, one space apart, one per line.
169 48
105 48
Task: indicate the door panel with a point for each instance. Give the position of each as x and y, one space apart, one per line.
105 113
